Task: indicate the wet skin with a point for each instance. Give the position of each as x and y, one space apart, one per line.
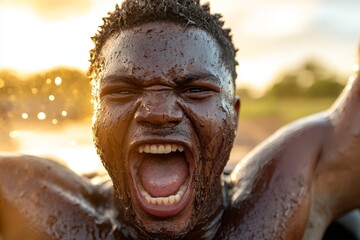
164 84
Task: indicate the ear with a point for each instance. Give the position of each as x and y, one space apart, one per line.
237 107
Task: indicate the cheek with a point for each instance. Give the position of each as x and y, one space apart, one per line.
109 130
214 127
214 124
212 118
115 115
110 126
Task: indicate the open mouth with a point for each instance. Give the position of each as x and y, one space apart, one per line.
161 175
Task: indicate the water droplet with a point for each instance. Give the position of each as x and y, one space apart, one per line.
51 97
58 81
41 116
24 115
34 91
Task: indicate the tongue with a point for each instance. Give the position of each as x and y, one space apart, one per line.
163 175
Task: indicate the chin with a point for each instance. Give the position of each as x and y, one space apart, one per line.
162 229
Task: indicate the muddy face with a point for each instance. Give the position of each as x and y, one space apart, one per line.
164 125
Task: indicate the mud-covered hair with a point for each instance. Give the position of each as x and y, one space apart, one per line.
185 12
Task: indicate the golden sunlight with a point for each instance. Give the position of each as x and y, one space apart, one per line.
48 112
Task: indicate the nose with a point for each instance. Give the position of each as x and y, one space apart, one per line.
159 109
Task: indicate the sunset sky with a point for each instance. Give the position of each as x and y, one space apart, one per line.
272 35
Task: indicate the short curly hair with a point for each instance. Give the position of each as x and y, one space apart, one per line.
186 12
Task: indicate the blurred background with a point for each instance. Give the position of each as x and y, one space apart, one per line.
295 57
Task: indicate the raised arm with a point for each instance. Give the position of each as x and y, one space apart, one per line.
339 168
300 179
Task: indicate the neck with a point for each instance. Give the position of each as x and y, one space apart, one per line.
208 225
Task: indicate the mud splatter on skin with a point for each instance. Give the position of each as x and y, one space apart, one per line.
200 112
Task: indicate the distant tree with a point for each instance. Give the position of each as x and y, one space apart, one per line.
286 87
309 80
324 88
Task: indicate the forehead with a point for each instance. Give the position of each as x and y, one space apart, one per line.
155 49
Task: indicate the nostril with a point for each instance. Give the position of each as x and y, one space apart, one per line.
162 114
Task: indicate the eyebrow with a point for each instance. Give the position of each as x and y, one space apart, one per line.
179 81
114 79
189 78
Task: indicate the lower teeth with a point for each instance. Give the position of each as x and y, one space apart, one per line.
170 200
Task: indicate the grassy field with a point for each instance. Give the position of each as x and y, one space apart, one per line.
285 109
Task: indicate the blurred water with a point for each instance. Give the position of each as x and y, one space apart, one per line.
70 145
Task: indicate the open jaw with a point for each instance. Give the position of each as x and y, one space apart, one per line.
161 175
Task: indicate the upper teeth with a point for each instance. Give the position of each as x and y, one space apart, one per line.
160 148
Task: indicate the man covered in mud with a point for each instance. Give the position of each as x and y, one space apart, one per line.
165 119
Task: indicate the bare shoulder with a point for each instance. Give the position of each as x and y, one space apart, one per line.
26 167
300 142
42 199
302 177
337 177
21 175
272 185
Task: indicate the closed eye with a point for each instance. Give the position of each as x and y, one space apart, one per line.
198 86
120 87
120 94
195 89
123 93
197 92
